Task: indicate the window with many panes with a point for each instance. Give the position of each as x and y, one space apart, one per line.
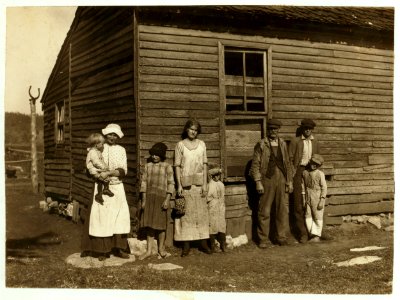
59 122
245 92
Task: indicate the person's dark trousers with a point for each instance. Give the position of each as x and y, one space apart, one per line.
274 190
300 225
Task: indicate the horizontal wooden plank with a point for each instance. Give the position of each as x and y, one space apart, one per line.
57 190
198 97
109 97
336 109
378 159
364 176
179 72
360 208
349 164
237 213
330 88
193 81
235 190
350 183
175 130
362 198
164 104
331 75
179 113
232 207
326 80
179 47
177 39
236 199
177 63
334 102
163 54
174 121
355 60
379 168
331 68
361 189
120 81
330 116
171 88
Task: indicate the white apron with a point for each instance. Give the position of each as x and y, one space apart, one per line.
113 216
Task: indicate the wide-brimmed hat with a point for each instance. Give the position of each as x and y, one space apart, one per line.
308 123
318 159
274 123
113 128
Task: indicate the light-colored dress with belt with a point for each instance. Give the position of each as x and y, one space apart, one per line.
113 216
194 225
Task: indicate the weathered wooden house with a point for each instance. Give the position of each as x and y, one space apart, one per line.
151 68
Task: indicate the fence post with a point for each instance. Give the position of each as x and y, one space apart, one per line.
34 175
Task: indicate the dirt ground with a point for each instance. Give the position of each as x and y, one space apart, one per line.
38 243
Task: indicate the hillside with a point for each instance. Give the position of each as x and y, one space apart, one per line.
17 130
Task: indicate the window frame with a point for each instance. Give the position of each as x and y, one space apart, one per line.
59 113
254 115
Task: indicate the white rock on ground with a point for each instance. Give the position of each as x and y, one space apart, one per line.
376 221
369 248
237 241
164 267
361 260
389 228
138 247
90 262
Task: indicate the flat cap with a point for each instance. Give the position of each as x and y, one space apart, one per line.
308 123
274 123
317 158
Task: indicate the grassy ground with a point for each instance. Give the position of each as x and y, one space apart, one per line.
38 243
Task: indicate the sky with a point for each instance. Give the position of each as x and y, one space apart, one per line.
34 36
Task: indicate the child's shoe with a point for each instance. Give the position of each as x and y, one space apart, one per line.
315 239
108 192
99 199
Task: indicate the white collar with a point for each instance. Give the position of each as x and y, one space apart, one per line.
311 137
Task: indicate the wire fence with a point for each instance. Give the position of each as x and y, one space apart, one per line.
18 163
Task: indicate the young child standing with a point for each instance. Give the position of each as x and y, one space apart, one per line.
157 186
96 165
216 209
314 190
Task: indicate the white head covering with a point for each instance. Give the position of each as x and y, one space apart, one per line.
113 128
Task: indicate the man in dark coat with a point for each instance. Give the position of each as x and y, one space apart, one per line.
301 149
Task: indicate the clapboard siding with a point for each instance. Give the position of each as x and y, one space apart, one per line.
178 79
347 90
56 156
101 91
102 79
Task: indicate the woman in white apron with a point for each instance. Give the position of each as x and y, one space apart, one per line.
108 225
191 174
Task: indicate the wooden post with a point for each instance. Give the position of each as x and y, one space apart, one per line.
34 175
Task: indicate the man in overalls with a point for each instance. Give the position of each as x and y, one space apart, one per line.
271 172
